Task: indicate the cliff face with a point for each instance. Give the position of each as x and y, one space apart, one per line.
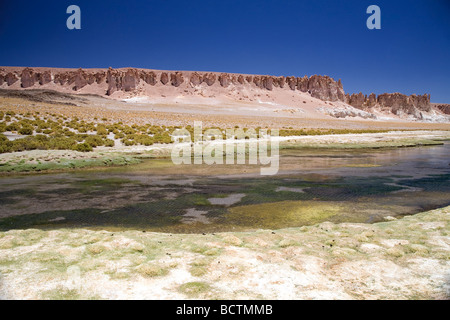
396 103
321 87
444 108
109 81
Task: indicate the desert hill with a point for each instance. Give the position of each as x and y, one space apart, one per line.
304 97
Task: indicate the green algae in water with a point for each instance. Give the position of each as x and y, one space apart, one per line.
163 215
346 199
161 204
68 164
280 214
101 185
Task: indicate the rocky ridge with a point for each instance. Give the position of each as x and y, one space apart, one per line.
131 79
397 103
444 108
128 79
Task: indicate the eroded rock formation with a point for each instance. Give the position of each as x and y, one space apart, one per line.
176 79
148 76
209 78
10 78
325 88
195 79
130 79
164 78
81 79
397 103
444 108
27 78
224 80
267 83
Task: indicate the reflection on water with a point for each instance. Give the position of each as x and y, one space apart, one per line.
311 186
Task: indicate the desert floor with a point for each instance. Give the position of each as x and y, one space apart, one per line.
405 258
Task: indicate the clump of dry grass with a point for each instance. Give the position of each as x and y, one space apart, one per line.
151 270
194 289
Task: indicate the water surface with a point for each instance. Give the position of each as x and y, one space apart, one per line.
311 186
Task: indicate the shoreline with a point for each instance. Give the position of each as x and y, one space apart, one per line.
47 161
405 258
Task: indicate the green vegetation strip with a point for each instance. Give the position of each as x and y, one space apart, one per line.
57 132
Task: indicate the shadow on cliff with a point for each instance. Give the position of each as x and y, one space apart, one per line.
48 96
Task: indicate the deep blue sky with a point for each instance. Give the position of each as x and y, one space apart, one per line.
410 54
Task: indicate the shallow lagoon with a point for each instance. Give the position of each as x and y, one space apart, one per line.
311 186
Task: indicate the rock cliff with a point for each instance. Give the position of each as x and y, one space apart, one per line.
444 108
128 79
397 103
109 81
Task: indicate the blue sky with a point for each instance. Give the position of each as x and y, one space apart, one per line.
410 54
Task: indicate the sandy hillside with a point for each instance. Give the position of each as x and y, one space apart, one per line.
225 94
